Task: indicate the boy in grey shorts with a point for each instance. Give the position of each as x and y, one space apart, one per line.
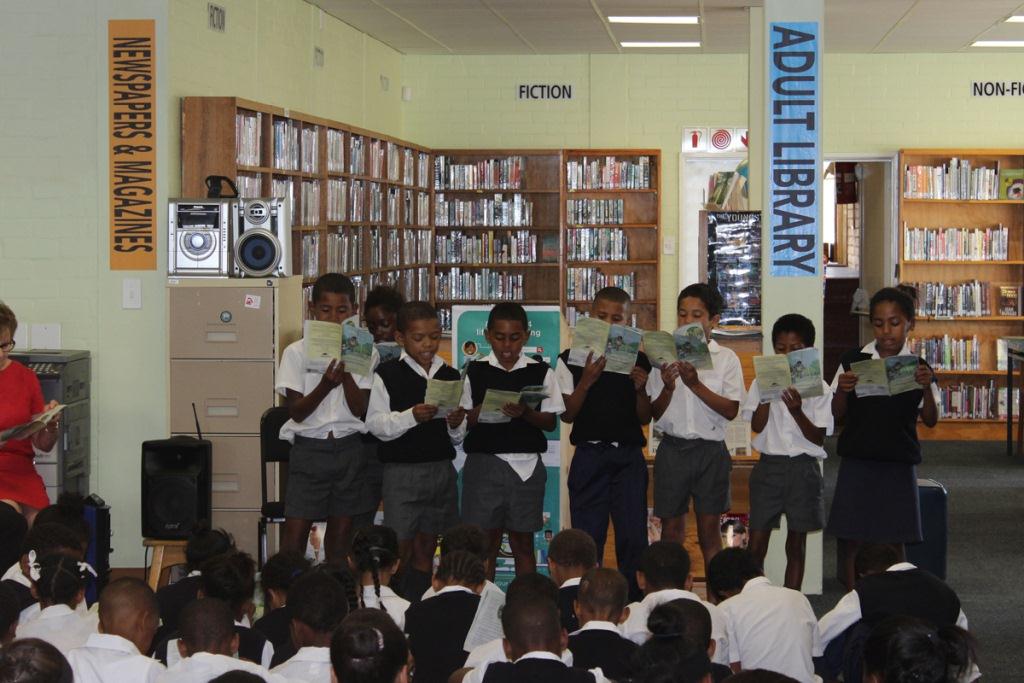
419 484
787 479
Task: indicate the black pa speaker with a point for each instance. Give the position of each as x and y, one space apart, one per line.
176 486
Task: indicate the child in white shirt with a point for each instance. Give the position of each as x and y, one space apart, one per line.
59 583
317 603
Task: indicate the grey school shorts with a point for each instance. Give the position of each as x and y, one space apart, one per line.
691 467
494 497
327 478
791 485
420 497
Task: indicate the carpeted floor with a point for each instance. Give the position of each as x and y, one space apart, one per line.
986 539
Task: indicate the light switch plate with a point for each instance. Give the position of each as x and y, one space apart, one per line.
131 293
668 245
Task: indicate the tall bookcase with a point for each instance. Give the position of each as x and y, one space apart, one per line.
949 237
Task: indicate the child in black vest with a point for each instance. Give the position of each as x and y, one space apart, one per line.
420 494
876 491
276 578
504 477
598 643
608 474
571 554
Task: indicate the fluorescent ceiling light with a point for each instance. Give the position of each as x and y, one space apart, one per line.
998 43
1016 19
654 20
661 44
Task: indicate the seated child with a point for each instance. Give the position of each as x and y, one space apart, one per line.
692 621
42 540
770 627
437 627
504 477
369 648
69 512
276 578
374 561
420 490
468 537
571 554
203 543
32 660
598 643
129 616
909 649
670 656
8 613
13 528
664 575
318 605
59 583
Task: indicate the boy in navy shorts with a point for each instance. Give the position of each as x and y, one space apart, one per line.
608 475
419 485
503 479
787 479
327 465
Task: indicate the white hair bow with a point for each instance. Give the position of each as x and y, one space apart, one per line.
33 566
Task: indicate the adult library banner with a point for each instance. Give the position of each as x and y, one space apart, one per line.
794 148
468 343
132 145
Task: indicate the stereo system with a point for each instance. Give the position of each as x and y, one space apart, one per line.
229 237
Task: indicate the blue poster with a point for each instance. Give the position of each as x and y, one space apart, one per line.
794 149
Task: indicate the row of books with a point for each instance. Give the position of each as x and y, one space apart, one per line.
456 284
344 251
376 151
488 247
416 247
357 200
948 353
422 169
573 315
516 211
956 179
595 211
965 299
956 244
597 244
248 138
445 316
282 187
250 185
335 151
975 402
337 199
392 157
310 149
376 202
608 173
489 174
581 284
286 144
310 254
413 284
310 203
385 248
356 155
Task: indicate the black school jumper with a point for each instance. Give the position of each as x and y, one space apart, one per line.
427 441
517 435
605 650
536 671
437 629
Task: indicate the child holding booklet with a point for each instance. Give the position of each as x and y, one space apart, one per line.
608 475
787 479
504 477
419 489
876 496
327 466
692 407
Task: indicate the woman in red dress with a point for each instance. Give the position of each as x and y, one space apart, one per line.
20 398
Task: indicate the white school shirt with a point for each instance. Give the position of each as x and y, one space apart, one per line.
635 626
333 414
61 626
387 424
869 348
688 417
310 664
524 464
478 673
108 658
489 586
204 666
597 625
773 628
781 434
266 657
393 604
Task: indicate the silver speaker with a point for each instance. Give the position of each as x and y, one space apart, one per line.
199 234
262 238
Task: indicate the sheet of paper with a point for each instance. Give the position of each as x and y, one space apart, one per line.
494 401
486 624
445 394
388 350
692 346
622 350
871 377
322 343
660 348
900 371
356 349
805 371
773 376
589 336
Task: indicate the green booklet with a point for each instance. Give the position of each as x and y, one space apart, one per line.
35 424
388 350
356 348
800 369
533 394
886 376
322 343
660 348
692 346
445 394
622 349
590 336
494 401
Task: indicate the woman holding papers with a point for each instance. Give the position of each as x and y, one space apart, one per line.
20 484
880 391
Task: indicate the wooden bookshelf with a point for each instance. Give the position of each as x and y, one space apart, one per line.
917 266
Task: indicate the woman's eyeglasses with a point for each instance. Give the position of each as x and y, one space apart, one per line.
7 346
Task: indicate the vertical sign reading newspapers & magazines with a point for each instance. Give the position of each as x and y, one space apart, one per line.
794 148
132 120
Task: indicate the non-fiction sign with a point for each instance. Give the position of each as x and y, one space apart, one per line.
794 148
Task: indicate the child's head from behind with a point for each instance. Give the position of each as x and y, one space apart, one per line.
908 650
317 604
532 585
532 624
611 305
205 543
459 568
700 303
59 579
875 558
419 331
892 319
68 511
231 577
31 660
508 330
207 625
381 312
730 570
48 539
334 298
792 332
128 608
469 537
375 555
671 658
369 648
571 554
664 565
279 573
603 596
689 618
